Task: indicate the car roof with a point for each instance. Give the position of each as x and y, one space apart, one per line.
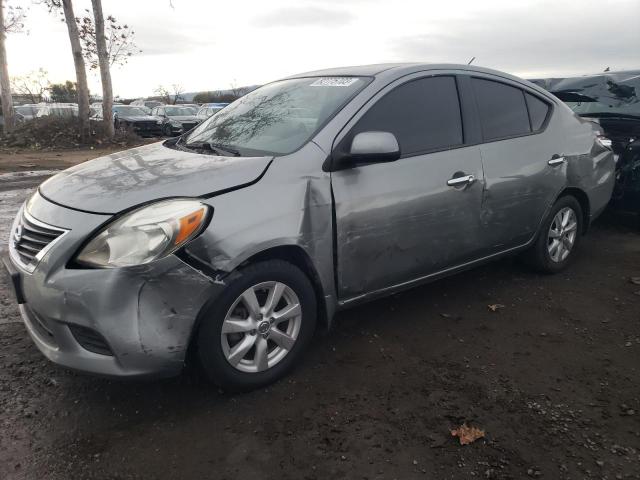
397 70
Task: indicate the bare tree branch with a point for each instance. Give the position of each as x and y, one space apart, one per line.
33 85
119 38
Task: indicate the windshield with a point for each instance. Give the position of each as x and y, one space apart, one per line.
130 110
178 111
278 118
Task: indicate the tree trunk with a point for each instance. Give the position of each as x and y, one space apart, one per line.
81 72
5 84
105 71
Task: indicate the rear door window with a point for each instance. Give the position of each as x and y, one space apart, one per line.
423 114
502 109
538 111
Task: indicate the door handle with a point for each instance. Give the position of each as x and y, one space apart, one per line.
555 161
463 180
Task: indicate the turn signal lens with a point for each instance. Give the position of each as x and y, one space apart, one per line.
188 225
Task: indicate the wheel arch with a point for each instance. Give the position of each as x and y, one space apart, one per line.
583 200
295 255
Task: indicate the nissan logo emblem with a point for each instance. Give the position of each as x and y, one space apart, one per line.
17 233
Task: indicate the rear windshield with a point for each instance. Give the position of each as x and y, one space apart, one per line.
278 118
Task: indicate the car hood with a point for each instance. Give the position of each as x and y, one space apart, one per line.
119 181
139 118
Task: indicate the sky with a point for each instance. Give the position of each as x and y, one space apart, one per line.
212 44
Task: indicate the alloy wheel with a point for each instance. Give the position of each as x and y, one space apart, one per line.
562 234
261 327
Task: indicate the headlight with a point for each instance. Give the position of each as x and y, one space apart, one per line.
159 122
146 234
175 123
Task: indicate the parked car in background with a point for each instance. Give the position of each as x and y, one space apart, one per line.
178 119
146 103
612 99
99 104
206 112
26 112
64 110
233 240
220 105
135 118
194 106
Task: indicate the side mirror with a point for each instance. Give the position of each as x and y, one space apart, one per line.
369 147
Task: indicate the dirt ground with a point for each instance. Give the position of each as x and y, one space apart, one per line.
551 377
12 161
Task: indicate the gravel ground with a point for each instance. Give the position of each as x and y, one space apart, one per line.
551 377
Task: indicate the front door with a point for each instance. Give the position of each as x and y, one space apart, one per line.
399 221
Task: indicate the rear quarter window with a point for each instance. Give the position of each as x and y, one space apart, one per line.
538 111
502 108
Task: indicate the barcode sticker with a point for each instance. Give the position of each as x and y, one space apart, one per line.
334 82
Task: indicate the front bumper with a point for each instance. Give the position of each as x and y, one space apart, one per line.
143 315
147 129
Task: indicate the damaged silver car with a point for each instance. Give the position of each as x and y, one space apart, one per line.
228 244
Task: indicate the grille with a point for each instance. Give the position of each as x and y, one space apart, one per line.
31 238
90 340
188 125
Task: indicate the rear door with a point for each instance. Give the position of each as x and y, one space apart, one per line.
397 222
523 163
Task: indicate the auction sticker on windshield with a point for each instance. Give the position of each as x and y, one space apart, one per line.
334 82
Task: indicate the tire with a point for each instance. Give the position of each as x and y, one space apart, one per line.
216 349
542 256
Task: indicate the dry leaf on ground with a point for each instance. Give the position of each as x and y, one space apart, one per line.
495 306
467 434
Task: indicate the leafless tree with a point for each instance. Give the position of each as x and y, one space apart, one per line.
170 95
14 18
236 91
105 64
119 40
33 85
163 94
78 61
177 91
11 21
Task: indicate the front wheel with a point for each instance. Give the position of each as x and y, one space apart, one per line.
257 329
558 238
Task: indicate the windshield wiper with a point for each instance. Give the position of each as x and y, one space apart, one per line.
216 148
224 148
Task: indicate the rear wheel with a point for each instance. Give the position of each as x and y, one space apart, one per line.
258 328
558 238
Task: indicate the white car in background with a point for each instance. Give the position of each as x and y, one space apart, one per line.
65 110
